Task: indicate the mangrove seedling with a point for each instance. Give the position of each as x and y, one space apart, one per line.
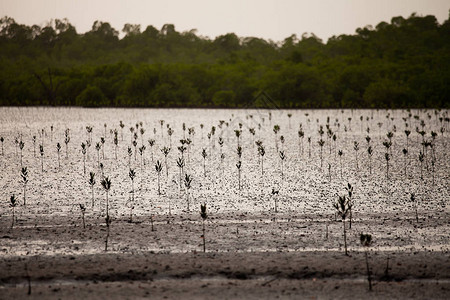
282 157
106 184
141 153
301 134
343 207
13 203
238 134
102 141
321 143
414 201
276 129
387 157
116 143
66 141
130 153
275 192
83 211
238 166
309 146
58 149
21 145
92 183
98 147
370 154
356 148
366 242
204 217
261 152
24 175
132 175
2 140
349 190
421 159
158 168
166 152
407 133
204 155
405 153
41 150
151 142
187 184
83 150
340 153
180 164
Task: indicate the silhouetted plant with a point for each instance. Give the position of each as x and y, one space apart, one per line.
366 242
13 203
356 148
151 142
169 133
301 135
2 139
262 152
158 168
130 153
122 125
141 153
58 150
21 145
187 184
135 149
180 164
343 207
66 141
370 154
349 190
92 183
340 153
83 211
407 133
83 150
116 143
275 192
238 166
132 175
24 175
204 155
166 152
41 151
238 134
421 159
309 146
414 201
321 143
387 157
276 129
106 184
282 157
204 217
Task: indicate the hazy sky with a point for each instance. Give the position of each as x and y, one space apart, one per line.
268 19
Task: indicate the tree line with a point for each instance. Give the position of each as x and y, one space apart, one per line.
401 64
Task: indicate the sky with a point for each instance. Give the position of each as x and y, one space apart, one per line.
269 19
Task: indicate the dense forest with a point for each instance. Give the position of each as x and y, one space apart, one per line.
404 63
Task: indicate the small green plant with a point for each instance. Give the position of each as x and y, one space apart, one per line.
102 142
370 154
92 183
13 203
158 168
405 153
421 159
340 153
180 164
366 242
387 157
275 192
301 135
204 217
276 129
24 175
98 146
343 207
